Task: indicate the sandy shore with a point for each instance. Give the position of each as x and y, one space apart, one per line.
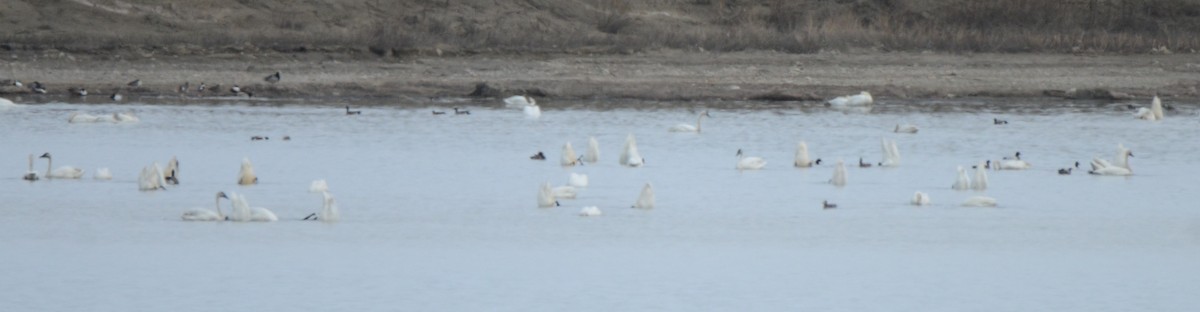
669 75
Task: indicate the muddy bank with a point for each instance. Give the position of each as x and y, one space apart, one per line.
664 75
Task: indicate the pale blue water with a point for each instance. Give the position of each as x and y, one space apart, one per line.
439 212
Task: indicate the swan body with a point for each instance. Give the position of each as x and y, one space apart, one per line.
980 201
980 181
532 111
629 154
1119 166
906 129
1012 164
592 155
1154 113
962 182
318 186
920 199
578 180
329 209
77 117
566 191
645 200
839 174
690 128
519 101
202 214
246 175
6 104
30 175
64 172
171 173
151 178
861 99
242 212
102 174
589 211
546 196
891 154
749 163
568 155
802 159
124 118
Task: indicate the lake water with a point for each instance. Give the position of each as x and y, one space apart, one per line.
440 212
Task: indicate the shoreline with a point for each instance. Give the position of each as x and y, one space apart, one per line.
655 76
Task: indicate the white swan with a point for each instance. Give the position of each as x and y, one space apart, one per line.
839 174
64 172
242 212
802 159
920 199
749 163
171 173
30 175
518 101
329 210
533 111
593 151
124 118
151 178
102 174
980 181
589 211
690 128
962 182
6 104
980 201
569 157
1013 163
646 198
201 214
629 154
907 128
77 117
578 180
861 99
1119 166
1154 113
246 175
891 154
318 186
565 191
546 196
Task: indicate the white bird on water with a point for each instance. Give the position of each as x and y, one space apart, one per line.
242 212
645 199
578 180
102 174
593 151
151 178
629 154
64 172
907 128
861 99
569 157
1119 166
802 159
690 128
246 175
839 174
962 182
1012 163
30 175
545 196
518 101
1155 112
920 199
201 214
749 163
329 209
589 211
980 181
891 154
6 104
980 201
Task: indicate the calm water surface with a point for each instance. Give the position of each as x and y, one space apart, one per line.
439 212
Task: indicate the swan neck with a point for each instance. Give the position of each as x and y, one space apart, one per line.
220 216
49 164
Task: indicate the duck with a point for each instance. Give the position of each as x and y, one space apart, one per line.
999 121
272 78
259 138
350 112
183 88
37 87
1064 171
920 199
690 128
825 204
201 88
235 89
538 156
749 163
461 112
116 96
862 164
135 83
81 92
435 112
908 128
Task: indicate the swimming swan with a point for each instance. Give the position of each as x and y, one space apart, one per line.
646 198
578 180
593 151
839 174
891 154
1155 112
318 186
201 214
151 178
6 104
980 201
907 128
802 159
920 199
1119 166
64 172
962 182
690 128
589 211
519 101
242 212
246 175
171 173
102 174
861 99
629 154
568 155
749 163
546 196
30 175
329 210
1014 163
980 182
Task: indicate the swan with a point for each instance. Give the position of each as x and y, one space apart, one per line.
201 214
589 211
861 99
962 182
6 104
891 154
64 172
171 174
1119 166
578 180
920 199
518 101
30 175
568 155
77 117
242 212
246 175
593 151
907 128
329 209
1014 163
980 182
102 174
1154 113
802 159
839 174
690 128
546 196
629 155
151 178
533 111
318 186
749 163
646 198
124 118
565 191
980 201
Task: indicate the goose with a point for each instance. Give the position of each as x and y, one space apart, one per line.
908 128
568 155
64 172
546 196
802 159
538 156
980 182
1119 166
920 199
246 175
839 174
589 211
171 174
519 101
593 151
329 210
272 78
116 97
461 112
125 118
435 112
690 128
578 180
102 174
30 175
891 154
565 191
645 200
962 182
151 178
350 112
532 111
749 163
135 83
825 204
242 212
1014 163
861 99
999 121
629 154
980 201
201 214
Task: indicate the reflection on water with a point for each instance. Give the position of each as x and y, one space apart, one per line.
436 209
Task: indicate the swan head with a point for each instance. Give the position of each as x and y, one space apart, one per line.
222 195
739 153
705 114
818 162
46 155
1018 155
